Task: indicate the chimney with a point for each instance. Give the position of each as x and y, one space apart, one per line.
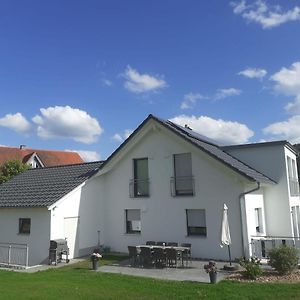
22 147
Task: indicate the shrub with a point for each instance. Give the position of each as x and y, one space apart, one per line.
283 259
252 267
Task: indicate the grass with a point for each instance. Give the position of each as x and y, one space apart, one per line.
77 281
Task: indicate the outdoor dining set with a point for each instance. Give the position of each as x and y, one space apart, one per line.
160 254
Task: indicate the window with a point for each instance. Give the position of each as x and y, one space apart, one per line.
24 226
183 178
258 220
141 177
196 222
133 220
293 179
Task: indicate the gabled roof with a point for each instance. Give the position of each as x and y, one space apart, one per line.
42 187
49 158
204 144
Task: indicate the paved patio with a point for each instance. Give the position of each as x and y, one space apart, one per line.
195 271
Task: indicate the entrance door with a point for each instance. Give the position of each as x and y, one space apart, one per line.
71 229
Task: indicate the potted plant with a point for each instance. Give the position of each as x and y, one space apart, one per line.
212 270
95 257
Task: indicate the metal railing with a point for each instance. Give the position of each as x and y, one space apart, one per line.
182 186
139 188
14 255
260 245
294 187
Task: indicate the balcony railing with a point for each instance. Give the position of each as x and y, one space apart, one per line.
294 187
139 188
182 186
261 245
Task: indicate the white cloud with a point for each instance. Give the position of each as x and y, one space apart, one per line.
225 132
266 15
287 130
190 99
121 137
16 122
87 155
287 82
253 73
224 93
67 122
141 83
106 82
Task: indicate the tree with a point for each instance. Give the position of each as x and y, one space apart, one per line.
11 168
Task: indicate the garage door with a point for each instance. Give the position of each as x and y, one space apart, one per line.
71 229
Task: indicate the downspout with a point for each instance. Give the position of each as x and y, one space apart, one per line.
241 196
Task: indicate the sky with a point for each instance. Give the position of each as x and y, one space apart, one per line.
82 75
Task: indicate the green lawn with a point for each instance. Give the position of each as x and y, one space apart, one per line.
79 282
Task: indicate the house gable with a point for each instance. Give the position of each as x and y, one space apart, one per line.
213 150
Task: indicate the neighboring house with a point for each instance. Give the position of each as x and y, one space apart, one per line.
39 158
167 183
43 204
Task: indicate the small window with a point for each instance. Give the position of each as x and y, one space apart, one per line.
24 226
196 222
133 220
258 220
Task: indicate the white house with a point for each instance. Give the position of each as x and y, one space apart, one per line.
164 183
44 204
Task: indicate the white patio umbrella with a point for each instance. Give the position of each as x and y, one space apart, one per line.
225 232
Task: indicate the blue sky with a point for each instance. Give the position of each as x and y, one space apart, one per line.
81 75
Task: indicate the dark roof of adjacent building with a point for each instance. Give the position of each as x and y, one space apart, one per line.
293 148
44 186
205 144
49 158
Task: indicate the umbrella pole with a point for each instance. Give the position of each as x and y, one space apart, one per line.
229 255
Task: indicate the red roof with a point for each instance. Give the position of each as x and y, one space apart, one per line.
49 158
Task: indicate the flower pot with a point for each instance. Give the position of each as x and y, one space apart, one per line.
95 264
213 277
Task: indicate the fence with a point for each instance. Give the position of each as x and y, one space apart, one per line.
14 255
262 244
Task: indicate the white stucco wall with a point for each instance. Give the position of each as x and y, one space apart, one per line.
163 217
271 160
253 201
83 203
39 237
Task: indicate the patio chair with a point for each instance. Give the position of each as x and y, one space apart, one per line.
151 243
133 255
161 243
159 257
172 244
146 257
186 254
171 257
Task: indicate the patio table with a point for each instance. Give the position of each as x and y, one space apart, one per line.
180 249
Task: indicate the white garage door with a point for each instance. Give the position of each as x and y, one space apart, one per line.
71 229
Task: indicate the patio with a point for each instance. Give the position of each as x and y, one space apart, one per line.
195 272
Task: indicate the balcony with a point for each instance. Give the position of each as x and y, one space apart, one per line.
260 245
182 186
139 188
294 187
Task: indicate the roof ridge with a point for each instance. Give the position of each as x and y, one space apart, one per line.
69 165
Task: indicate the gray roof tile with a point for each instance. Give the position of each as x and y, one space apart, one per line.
43 187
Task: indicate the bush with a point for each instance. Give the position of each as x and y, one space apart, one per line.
252 267
283 259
